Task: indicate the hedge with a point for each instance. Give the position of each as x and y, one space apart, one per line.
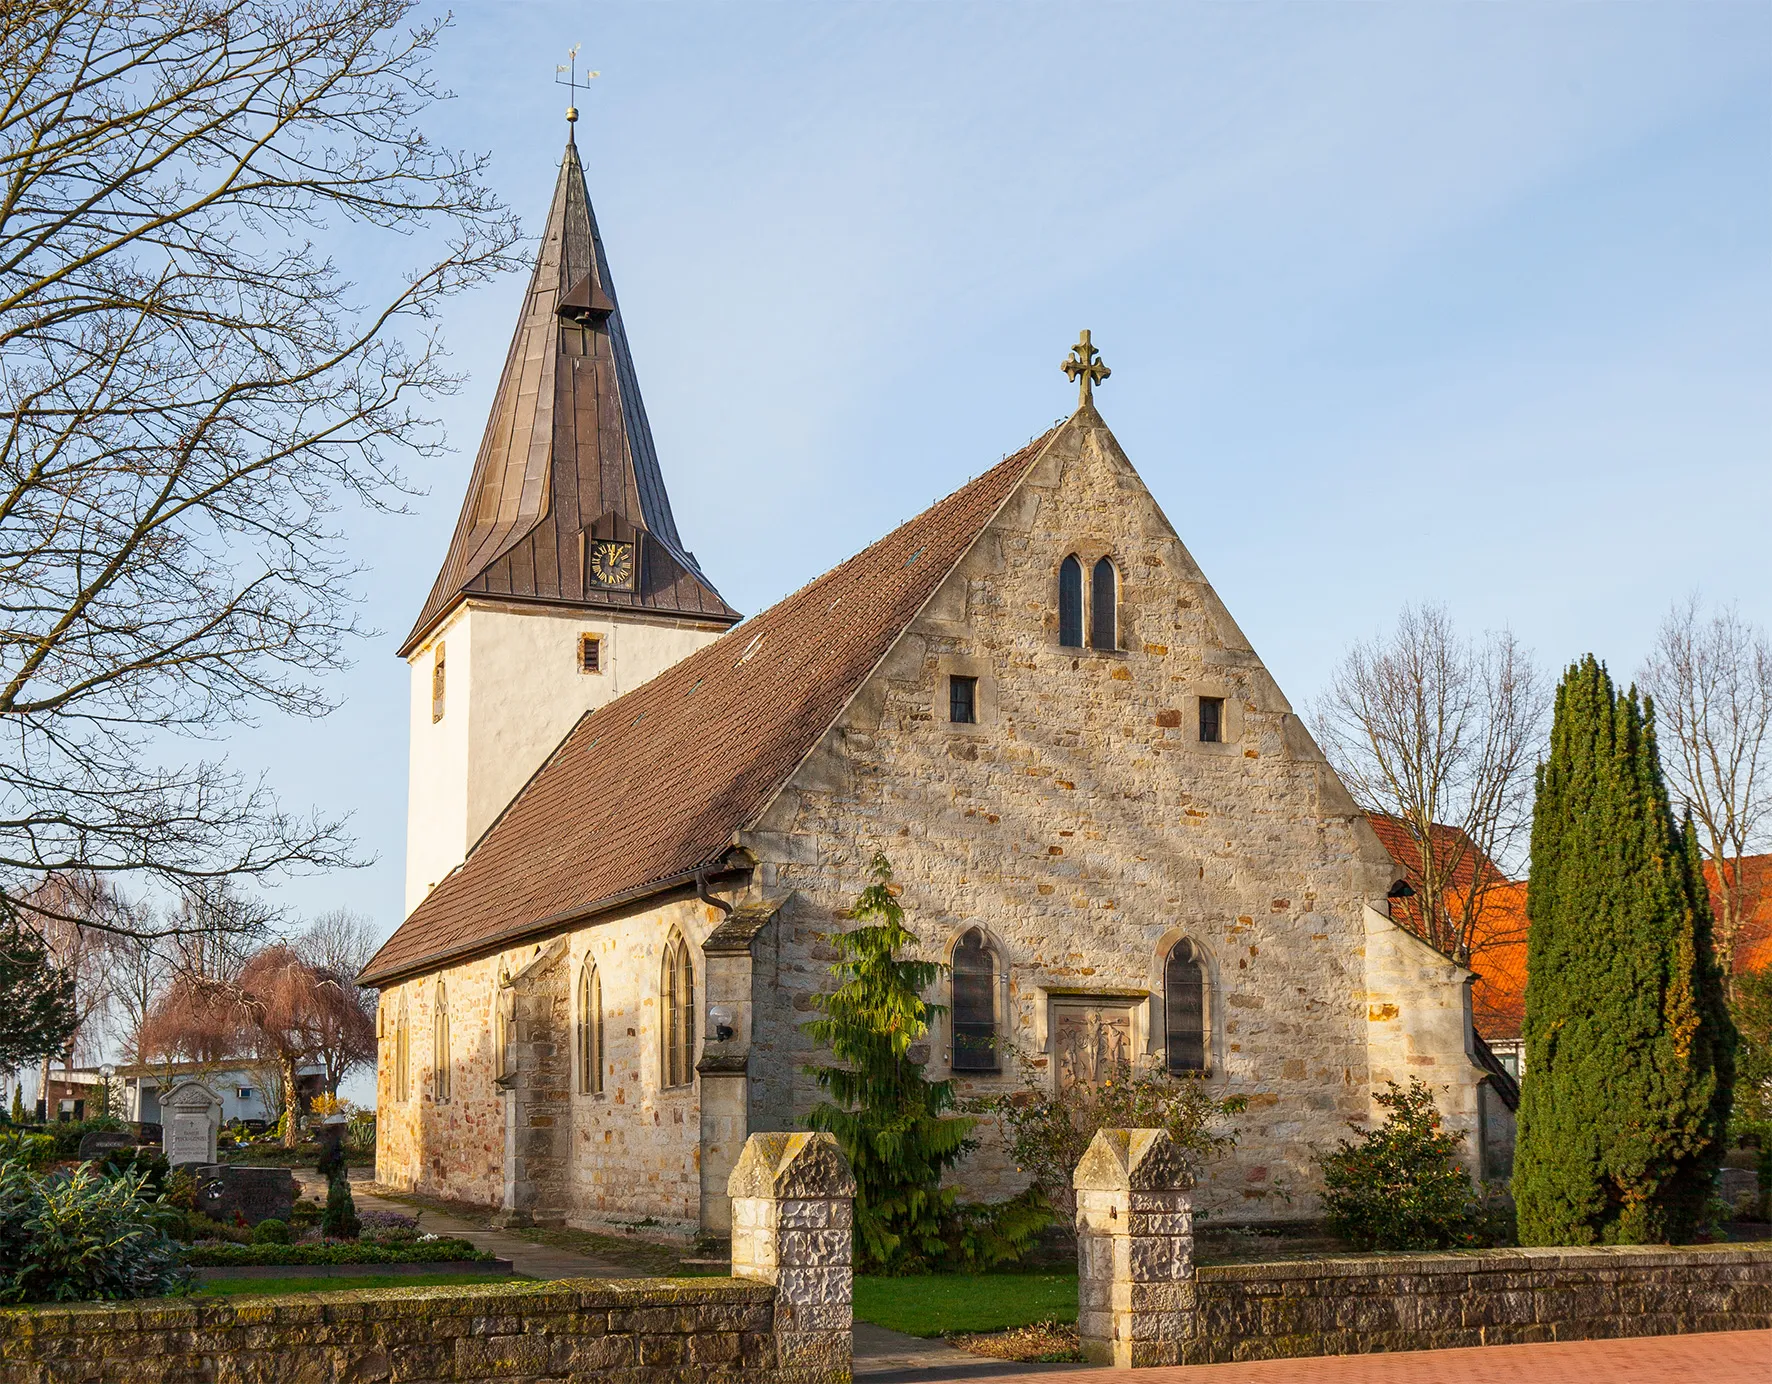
419 1252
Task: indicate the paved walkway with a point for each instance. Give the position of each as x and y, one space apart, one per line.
1722 1357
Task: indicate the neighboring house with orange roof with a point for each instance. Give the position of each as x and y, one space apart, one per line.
1103 812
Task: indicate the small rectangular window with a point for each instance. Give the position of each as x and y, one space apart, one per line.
1211 720
590 653
438 683
963 700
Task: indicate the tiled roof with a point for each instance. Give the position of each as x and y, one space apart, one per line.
653 785
567 450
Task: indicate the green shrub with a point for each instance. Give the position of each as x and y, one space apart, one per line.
1399 1186
421 1252
67 1133
305 1214
26 1149
81 1236
360 1132
270 1231
151 1164
339 1221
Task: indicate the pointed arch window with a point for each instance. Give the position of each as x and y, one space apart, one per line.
439 682
504 1011
1184 1009
402 1053
590 1031
974 1007
677 1014
1070 603
440 1070
1104 601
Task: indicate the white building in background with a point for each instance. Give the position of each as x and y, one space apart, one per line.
242 1097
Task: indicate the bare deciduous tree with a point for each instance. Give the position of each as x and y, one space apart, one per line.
1710 679
189 391
1435 730
337 946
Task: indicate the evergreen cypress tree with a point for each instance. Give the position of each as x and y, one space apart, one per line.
1629 1048
887 1116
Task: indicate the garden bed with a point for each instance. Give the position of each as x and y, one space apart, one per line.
220 1256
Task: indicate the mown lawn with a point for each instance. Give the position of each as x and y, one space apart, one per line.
937 1304
243 1287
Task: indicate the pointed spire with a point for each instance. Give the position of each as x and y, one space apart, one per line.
567 482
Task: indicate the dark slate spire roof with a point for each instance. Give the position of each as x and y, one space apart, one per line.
568 456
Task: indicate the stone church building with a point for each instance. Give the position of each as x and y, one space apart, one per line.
634 820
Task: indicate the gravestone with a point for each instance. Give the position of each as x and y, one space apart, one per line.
192 1120
252 1194
96 1143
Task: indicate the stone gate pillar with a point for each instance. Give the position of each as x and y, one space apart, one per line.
1135 1249
793 1206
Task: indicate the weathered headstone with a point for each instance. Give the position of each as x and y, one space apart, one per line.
192 1120
1135 1250
793 1208
96 1143
253 1194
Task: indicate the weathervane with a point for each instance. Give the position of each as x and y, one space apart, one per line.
1086 368
571 82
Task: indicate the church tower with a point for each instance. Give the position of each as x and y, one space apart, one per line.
566 583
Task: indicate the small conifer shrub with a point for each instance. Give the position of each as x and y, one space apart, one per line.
339 1221
1629 1046
890 1120
1400 1186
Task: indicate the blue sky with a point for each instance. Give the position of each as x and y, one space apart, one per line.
1468 304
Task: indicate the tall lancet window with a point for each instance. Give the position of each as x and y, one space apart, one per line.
676 1016
439 683
1104 600
974 1010
1070 603
440 1044
590 1031
402 1052
1184 1010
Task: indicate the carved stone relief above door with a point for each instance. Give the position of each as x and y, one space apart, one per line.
1092 1039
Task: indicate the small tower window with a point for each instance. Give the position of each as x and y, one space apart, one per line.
676 1014
975 1004
1211 720
963 700
1104 598
590 653
590 1031
1070 603
439 678
1184 1010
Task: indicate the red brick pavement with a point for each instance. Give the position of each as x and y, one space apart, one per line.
1722 1357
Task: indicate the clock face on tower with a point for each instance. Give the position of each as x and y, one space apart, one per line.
612 563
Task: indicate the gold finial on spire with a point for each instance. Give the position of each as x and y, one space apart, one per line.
571 82
1086 368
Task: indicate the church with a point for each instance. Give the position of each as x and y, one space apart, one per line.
634 820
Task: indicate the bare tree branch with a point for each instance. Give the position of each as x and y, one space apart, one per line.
189 392
1440 734
1709 679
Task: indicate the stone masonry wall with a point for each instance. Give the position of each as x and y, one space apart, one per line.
634 1147
638 1332
1084 826
1492 1297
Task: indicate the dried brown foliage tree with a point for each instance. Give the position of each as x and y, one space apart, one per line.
190 390
1710 678
1431 728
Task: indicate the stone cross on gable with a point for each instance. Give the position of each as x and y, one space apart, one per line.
1086 368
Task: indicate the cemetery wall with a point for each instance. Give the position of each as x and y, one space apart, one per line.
716 1330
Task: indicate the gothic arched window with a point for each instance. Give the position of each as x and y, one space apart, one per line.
1070 603
974 1008
440 1043
1104 599
676 1014
590 1030
1184 1009
402 1052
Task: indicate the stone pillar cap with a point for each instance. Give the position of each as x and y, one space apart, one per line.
1132 1160
791 1165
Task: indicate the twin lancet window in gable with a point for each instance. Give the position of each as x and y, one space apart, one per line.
1104 604
590 1031
676 1019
